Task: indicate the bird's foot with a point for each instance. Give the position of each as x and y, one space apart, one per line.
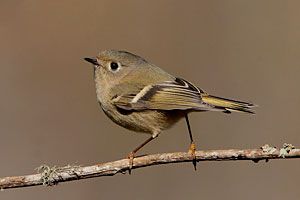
130 159
192 151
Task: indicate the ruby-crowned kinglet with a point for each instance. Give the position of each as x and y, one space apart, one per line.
140 96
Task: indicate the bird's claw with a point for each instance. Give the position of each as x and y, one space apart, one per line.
192 151
130 159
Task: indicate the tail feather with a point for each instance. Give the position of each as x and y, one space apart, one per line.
228 105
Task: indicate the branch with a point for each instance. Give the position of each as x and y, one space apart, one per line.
52 176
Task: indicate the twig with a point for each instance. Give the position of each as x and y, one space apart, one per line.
51 176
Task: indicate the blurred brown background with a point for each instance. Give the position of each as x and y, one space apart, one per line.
247 50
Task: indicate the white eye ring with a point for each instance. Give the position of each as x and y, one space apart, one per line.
114 66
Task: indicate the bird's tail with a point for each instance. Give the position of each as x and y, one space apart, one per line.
228 105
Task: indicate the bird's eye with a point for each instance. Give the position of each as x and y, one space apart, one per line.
114 66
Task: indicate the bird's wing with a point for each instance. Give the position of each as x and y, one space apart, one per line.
168 95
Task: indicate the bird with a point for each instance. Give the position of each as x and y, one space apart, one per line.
144 98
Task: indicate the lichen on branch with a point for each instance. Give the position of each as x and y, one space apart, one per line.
53 175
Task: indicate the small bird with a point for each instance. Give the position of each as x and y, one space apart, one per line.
141 97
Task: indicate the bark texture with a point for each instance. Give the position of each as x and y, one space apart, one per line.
53 175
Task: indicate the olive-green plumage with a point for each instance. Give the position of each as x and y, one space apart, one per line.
142 97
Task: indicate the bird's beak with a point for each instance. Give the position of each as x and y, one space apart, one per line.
92 60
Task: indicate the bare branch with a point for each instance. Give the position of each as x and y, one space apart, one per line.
51 176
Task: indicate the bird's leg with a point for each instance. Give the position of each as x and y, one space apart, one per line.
192 148
132 153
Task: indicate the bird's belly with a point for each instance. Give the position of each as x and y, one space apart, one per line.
148 121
